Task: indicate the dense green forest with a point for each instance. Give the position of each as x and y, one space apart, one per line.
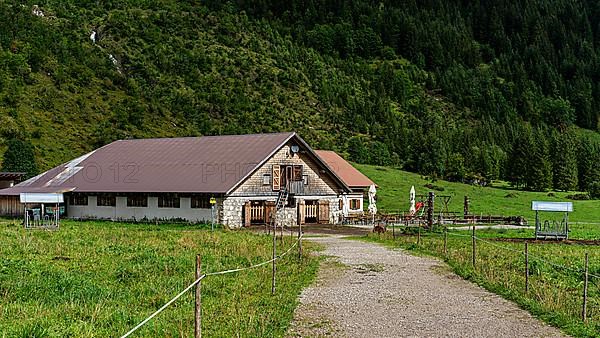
465 90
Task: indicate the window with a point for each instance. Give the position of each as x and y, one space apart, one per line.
79 199
305 179
137 201
291 201
168 201
266 179
341 204
354 204
200 202
106 200
297 173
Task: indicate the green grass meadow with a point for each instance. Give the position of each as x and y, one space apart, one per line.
394 186
100 279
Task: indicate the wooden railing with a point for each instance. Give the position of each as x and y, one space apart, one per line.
311 210
257 212
296 187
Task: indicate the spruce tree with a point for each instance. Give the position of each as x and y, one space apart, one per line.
358 150
588 163
19 157
518 166
539 170
564 161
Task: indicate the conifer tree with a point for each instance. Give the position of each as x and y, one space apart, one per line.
19 157
588 163
564 161
518 166
539 170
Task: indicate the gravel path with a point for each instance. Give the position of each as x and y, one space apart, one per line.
372 291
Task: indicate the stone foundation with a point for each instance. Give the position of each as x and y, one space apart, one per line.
231 212
232 207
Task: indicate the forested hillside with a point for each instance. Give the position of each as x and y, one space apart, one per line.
460 90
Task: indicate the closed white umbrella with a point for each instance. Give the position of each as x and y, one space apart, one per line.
345 206
372 207
412 196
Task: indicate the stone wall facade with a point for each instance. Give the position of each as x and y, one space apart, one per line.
319 186
233 216
318 183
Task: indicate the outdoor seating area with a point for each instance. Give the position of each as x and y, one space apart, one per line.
42 210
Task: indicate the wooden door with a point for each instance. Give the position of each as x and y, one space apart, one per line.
269 211
247 214
323 212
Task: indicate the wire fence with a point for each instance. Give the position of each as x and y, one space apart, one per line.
216 273
531 278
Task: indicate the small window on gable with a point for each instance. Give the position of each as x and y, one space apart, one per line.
305 179
297 175
266 179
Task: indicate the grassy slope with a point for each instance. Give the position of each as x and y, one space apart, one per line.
117 274
185 71
394 186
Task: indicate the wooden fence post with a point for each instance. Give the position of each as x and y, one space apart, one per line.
419 235
446 242
274 255
300 241
585 289
473 245
281 234
526 267
198 307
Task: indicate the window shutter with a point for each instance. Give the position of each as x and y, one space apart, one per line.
276 177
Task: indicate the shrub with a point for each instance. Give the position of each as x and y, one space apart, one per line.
434 187
594 189
579 197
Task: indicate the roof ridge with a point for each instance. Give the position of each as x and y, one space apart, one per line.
206 136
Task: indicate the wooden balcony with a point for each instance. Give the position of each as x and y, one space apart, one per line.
296 187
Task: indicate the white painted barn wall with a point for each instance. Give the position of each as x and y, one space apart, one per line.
123 212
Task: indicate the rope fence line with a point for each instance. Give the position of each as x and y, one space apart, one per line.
256 265
586 275
189 287
557 265
162 308
535 257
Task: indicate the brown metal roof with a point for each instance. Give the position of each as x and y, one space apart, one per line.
350 175
210 164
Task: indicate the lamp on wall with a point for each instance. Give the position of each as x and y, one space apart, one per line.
294 149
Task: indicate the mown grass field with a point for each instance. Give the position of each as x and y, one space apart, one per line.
100 279
556 278
394 186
